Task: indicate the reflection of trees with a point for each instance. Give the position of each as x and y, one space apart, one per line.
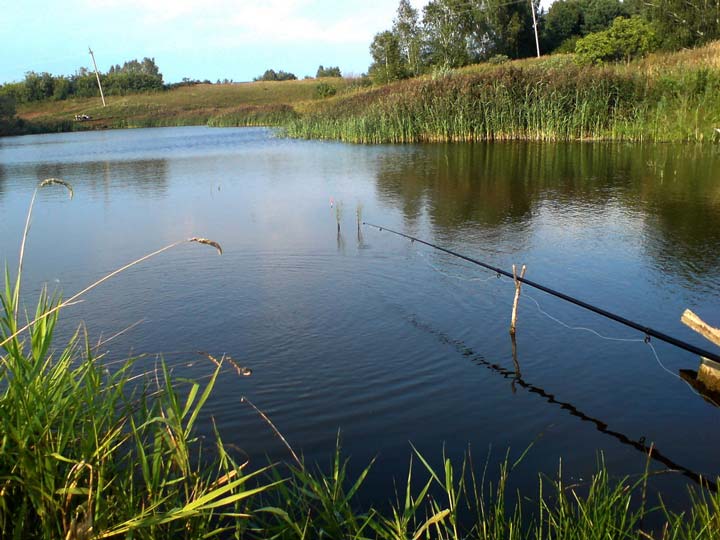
3 180
680 190
500 186
148 177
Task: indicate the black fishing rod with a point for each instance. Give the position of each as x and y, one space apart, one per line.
649 332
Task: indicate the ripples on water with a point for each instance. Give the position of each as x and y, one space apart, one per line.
360 332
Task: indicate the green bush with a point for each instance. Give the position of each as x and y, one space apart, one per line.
324 90
624 40
499 59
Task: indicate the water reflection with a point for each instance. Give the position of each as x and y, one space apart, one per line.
502 190
3 180
148 177
602 426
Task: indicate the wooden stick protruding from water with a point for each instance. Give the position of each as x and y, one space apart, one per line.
694 322
518 286
708 373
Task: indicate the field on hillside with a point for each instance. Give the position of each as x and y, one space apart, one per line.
189 105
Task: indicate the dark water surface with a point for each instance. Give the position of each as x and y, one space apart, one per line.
363 332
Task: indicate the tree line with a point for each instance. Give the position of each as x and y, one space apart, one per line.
132 77
453 33
322 72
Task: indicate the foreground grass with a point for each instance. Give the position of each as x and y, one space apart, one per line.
668 97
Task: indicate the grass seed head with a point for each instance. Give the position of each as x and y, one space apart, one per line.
207 242
58 182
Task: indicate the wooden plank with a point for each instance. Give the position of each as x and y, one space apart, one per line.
694 322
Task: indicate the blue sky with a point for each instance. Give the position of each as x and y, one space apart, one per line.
208 39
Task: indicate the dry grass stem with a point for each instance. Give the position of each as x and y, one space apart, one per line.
207 242
214 360
102 342
102 280
57 182
276 430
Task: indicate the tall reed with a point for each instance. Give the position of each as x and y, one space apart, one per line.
542 101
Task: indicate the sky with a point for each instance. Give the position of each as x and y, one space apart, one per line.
199 39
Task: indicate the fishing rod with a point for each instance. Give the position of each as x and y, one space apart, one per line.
648 331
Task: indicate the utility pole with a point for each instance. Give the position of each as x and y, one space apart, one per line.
97 75
537 41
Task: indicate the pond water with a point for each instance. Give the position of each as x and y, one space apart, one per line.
367 334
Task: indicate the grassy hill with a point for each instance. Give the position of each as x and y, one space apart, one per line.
255 103
664 97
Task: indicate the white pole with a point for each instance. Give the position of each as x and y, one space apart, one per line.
537 41
97 75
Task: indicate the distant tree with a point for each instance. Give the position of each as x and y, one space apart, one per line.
132 77
504 27
387 63
7 114
406 27
446 24
272 75
7 107
599 14
328 72
684 23
62 88
38 86
15 91
564 19
84 83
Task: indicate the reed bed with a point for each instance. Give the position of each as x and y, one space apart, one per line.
543 100
254 115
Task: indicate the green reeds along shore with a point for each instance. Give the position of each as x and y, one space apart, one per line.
662 98
93 451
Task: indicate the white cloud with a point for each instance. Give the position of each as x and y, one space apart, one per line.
276 21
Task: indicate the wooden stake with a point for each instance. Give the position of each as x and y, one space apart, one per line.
701 327
708 372
518 286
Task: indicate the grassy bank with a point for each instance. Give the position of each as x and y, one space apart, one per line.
93 450
664 97
244 104
670 97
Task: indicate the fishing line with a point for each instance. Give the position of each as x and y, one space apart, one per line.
646 330
581 328
603 427
657 359
628 340
455 276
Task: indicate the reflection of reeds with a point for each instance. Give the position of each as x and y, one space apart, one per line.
338 213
